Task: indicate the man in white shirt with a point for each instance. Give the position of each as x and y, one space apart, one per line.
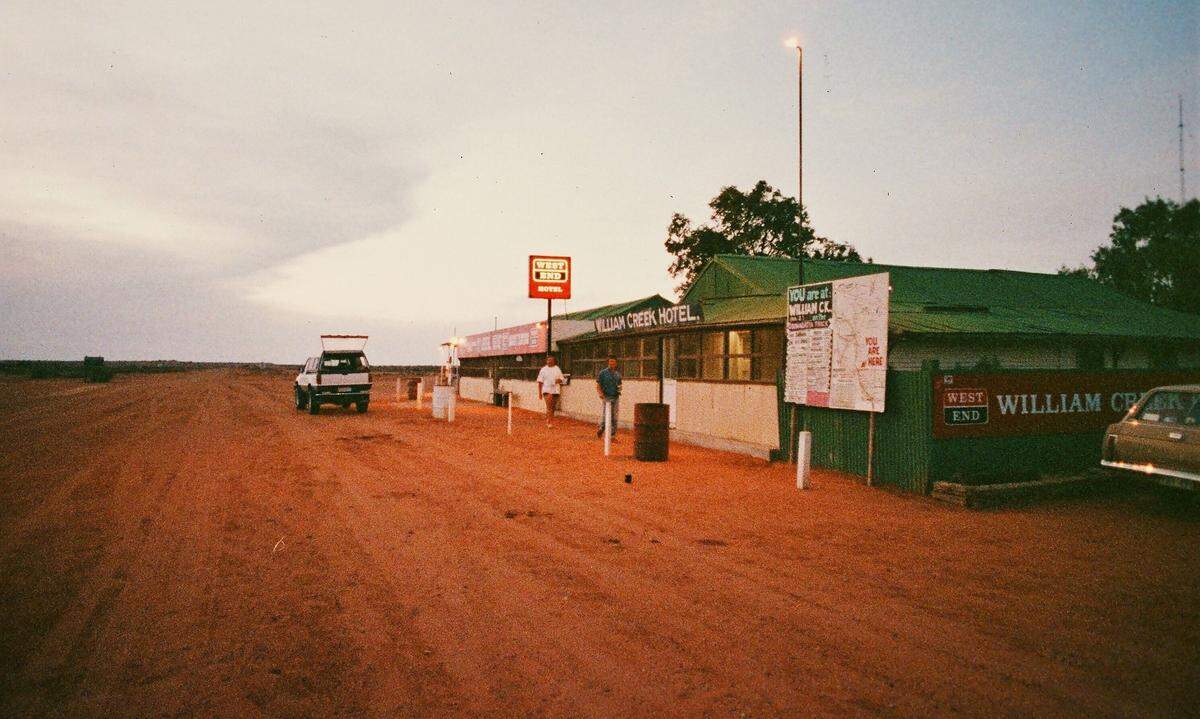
550 381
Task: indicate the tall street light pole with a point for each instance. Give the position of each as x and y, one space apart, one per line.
795 43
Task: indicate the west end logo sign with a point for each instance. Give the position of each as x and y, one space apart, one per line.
649 319
1039 402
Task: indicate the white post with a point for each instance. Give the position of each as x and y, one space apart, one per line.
420 391
397 389
803 458
509 403
450 403
607 427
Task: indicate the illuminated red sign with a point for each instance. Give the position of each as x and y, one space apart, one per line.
549 277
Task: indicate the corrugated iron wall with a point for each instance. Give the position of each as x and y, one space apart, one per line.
902 434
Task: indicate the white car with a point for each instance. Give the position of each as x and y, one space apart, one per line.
340 375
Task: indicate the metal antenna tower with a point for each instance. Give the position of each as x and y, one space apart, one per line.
1182 186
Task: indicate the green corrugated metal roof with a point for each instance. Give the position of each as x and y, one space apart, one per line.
616 309
929 300
755 308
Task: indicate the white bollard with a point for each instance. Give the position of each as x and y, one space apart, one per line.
450 406
508 401
420 391
397 389
607 427
803 459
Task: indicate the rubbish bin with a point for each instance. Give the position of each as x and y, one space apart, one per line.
651 431
443 395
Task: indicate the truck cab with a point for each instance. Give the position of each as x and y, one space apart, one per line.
340 375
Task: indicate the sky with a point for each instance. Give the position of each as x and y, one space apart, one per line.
224 181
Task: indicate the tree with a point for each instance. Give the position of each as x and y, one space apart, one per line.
1154 254
759 222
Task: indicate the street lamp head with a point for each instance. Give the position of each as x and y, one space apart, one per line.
792 42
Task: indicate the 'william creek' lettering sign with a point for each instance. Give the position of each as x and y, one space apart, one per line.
649 319
987 404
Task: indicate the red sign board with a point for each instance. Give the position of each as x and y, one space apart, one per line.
998 404
549 277
519 340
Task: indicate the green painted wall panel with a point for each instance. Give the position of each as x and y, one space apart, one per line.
902 435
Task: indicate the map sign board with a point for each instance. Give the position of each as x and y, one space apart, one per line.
837 343
549 277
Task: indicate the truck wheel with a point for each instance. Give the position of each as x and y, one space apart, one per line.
361 406
314 406
301 399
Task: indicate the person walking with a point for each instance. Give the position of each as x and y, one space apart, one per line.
608 386
550 381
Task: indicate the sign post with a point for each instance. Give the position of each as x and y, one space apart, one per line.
549 279
803 459
608 419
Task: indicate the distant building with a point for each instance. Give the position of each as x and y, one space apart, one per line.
716 358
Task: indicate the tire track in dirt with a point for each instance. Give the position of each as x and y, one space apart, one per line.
1036 680
568 560
429 570
92 553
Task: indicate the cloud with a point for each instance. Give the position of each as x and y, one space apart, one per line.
139 185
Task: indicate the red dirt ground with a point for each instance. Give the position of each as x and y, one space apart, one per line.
190 545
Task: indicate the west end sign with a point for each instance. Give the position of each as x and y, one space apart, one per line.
649 318
1032 402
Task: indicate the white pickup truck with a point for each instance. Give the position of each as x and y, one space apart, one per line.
340 375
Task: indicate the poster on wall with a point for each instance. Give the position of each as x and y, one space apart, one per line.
837 343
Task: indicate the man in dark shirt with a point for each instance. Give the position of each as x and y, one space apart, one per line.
608 386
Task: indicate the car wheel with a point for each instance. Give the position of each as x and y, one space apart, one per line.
360 406
301 400
314 406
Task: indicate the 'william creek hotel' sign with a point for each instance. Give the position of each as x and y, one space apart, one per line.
649 319
995 404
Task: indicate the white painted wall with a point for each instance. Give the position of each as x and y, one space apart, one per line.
736 414
734 417
909 353
475 388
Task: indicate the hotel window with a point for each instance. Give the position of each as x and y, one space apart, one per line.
738 355
713 349
649 363
768 353
687 356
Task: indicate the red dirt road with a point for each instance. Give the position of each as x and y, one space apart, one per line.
190 545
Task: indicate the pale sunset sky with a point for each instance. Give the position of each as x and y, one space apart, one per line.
227 180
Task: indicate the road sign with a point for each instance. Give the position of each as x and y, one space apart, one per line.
549 277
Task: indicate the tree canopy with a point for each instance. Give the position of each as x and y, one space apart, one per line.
1154 254
758 222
